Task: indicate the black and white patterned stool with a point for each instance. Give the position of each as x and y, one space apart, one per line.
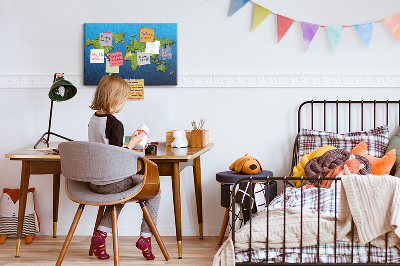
227 179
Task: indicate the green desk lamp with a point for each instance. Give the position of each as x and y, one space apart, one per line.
61 90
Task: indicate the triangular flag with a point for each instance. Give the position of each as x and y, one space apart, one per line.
393 23
236 5
260 13
283 24
365 32
309 31
335 34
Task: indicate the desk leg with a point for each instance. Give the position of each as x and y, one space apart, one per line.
56 199
25 175
197 187
176 190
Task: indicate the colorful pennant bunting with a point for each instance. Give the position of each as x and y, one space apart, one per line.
335 35
260 13
283 25
365 32
309 31
393 23
236 5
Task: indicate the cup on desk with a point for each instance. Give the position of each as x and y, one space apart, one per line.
151 149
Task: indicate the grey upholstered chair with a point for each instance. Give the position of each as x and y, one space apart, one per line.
83 162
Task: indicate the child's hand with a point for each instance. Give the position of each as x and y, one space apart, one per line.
135 139
141 150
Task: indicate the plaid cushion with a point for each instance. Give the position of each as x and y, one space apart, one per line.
377 139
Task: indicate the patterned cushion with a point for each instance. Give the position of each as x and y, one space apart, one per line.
377 139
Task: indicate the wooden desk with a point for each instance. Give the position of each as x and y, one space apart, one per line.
170 162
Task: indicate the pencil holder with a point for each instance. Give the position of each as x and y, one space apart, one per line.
199 138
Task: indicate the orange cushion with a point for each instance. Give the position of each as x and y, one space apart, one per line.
380 166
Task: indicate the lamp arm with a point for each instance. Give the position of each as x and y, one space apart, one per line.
51 114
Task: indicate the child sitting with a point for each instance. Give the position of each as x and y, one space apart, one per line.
110 98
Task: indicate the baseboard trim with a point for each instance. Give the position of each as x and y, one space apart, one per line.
132 231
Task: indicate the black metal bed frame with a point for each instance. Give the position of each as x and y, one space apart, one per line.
337 105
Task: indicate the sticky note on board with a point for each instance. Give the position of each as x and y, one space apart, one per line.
105 39
146 35
97 56
137 89
109 69
116 59
143 58
153 47
165 52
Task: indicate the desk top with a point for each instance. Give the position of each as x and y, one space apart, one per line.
163 153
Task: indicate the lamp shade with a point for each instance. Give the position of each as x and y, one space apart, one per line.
62 90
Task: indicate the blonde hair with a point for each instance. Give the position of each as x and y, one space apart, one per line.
109 93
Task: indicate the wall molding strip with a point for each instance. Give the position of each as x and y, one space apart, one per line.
186 81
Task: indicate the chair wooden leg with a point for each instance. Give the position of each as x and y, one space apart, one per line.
70 234
98 220
154 230
115 235
223 227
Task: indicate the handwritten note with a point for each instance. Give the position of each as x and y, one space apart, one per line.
165 52
146 35
109 69
143 58
153 47
97 56
105 39
116 59
137 89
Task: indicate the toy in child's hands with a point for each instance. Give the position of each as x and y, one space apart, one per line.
246 165
9 206
180 140
142 144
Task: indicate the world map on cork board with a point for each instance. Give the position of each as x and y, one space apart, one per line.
146 51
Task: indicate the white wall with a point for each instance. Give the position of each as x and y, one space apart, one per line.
40 38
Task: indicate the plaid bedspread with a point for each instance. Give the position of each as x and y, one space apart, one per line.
326 252
310 199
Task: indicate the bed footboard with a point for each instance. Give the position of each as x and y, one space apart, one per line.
252 252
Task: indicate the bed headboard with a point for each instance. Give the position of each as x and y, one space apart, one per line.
347 116
353 114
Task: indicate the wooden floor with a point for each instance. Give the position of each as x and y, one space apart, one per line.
44 250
